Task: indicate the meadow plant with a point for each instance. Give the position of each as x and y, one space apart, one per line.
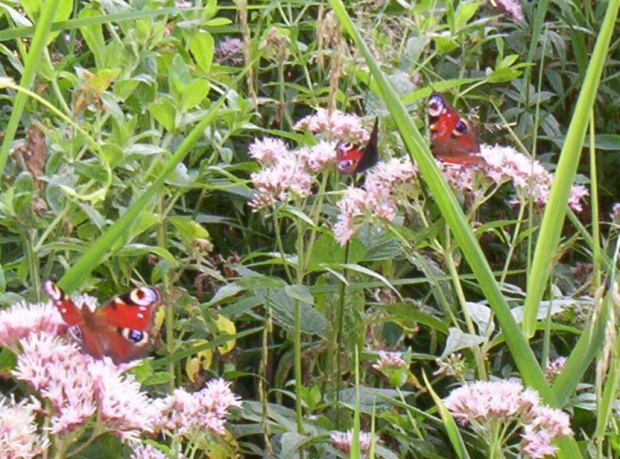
80 396
499 410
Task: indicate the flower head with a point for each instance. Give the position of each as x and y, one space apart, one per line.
229 50
143 451
487 406
206 409
386 186
20 436
21 319
528 176
337 126
511 7
268 151
344 440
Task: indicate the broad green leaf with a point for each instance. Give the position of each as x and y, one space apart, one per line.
201 47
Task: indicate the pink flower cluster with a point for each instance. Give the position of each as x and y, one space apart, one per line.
206 409
18 428
144 451
389 360
23 319
337 126
484 405
387 185
344 440
290 174
229 50
81 389
555 367
511 7
529 177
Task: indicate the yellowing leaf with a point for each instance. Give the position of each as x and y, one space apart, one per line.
224 324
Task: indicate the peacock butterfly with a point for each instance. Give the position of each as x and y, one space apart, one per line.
119 329
353 158
453 139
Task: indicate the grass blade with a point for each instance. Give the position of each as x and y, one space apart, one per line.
35 54
555 211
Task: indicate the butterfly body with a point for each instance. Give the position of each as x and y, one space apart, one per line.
353 158
119 329
453 139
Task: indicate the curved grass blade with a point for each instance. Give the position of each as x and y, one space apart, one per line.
33 59
448 421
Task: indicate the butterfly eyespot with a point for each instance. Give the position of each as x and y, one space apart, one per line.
143 296
52 290
136 337
435 105
460 129
76 332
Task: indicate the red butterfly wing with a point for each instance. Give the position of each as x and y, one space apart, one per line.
453 139
354 159
120 329
126 321
71 314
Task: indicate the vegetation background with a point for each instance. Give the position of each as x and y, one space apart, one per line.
126 128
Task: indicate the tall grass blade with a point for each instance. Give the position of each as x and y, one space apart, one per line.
35 54
555 211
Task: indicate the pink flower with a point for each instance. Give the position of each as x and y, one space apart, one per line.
142 451
79 387
229 49
510 7
388 185
206 409
529 177
22 319
268 151
389 360
20 437
284 181
490 407
615 213
555 367
320 156
537 443
344 440
339 126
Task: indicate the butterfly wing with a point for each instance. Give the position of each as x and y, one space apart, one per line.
120 329
126 321
453 139
353 159
71 314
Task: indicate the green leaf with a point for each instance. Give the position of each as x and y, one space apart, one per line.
194 93
201 46
164 112
299 292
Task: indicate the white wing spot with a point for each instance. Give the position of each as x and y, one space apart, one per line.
140 315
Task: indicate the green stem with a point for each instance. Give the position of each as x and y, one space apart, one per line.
338 338
478 356
162 241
